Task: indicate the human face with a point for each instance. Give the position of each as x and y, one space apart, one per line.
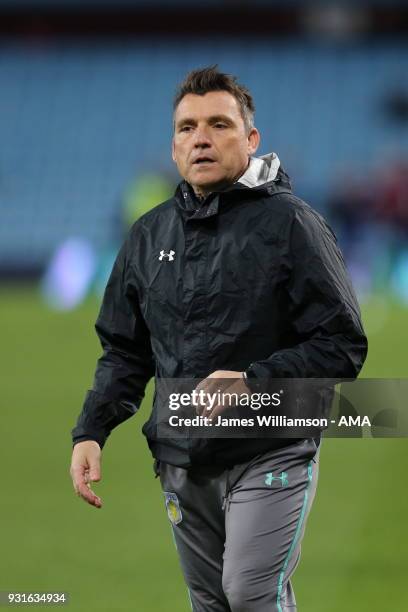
211 145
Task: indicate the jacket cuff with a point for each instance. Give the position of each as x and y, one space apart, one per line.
100 414
78 437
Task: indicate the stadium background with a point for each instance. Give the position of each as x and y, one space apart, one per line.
85 125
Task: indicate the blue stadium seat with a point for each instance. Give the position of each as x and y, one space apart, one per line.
78 121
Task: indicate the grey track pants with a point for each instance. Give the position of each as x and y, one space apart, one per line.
238 532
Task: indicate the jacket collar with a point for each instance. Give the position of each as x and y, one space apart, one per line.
264 175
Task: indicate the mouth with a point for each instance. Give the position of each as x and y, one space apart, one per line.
203 160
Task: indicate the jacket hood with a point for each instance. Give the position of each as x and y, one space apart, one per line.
261 170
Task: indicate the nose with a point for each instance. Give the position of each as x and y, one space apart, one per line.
201 138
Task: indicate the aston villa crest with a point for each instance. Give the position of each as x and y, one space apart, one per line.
173 508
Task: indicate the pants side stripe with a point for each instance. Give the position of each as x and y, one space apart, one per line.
296 536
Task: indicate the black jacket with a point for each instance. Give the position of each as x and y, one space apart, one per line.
252 275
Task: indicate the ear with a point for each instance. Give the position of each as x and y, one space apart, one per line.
254 138
173 150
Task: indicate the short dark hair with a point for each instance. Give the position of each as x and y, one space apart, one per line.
204 80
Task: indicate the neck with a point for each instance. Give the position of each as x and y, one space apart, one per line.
200 194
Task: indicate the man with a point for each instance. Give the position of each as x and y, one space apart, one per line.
233 278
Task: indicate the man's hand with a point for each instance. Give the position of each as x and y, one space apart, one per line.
86 468
225 381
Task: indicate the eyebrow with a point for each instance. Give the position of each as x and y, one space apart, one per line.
211 119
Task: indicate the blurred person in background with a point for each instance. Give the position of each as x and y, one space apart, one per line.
231 281
391 196
370 215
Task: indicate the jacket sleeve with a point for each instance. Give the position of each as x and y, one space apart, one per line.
323 312
127 362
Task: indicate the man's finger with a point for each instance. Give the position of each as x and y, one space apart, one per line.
236 387
81 478
92 476
88 495
95 473
78 476
211 386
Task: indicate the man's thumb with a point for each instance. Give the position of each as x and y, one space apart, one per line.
95 473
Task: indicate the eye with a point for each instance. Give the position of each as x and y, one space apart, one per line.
220 125
185 128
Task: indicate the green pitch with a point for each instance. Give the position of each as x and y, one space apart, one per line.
122 557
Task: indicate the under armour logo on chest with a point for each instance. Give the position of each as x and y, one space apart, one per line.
170 256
